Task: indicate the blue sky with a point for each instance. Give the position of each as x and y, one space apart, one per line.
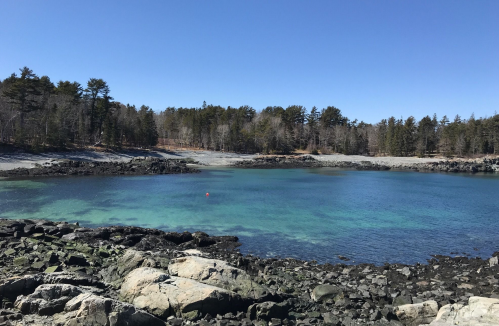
371 59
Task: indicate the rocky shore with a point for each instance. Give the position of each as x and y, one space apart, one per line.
136 166
56 273
308 161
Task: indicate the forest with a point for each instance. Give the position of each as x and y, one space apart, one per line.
38 115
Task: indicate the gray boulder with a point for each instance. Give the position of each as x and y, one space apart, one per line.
418 313
325 291
164 295
267 311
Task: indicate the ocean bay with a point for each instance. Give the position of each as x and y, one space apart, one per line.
367 216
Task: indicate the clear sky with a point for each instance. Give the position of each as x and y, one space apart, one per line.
371 59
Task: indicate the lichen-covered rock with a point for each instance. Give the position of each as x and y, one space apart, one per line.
164 295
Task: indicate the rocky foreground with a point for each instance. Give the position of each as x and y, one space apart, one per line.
136 166
308 161
55 273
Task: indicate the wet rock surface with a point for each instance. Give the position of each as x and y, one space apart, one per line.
308 161
136 166
55 273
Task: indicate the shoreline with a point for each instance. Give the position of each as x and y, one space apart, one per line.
12 161
102 264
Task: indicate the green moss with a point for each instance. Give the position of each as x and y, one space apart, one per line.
53 269
38 265
21 261
191 315
9 252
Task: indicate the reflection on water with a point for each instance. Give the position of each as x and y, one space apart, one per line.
368 216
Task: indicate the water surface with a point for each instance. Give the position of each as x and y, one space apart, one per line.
368 216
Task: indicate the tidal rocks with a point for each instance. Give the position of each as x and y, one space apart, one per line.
164 295
137 166
184 283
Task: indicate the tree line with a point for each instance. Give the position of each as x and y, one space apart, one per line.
283 130
36 113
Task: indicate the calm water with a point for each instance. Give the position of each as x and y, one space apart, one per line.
368 216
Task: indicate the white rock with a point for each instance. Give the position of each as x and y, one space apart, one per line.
217 273
193 252
479 312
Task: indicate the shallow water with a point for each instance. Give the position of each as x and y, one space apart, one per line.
368 216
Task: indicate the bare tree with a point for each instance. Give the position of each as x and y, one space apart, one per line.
222 135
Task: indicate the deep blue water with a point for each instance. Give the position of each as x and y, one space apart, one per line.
368 216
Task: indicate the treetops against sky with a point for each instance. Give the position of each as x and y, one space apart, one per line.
36 113
372 59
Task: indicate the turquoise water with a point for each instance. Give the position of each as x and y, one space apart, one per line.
368 216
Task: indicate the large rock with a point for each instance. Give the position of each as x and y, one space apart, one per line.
217 273
164 295
479 312
418 313
91 310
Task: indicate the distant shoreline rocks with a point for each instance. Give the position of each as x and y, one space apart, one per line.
136 166
308 161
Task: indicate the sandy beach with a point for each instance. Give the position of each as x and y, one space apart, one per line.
11 161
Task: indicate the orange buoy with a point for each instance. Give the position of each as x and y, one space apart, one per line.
207 194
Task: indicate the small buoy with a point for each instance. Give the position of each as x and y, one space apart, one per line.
207 194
